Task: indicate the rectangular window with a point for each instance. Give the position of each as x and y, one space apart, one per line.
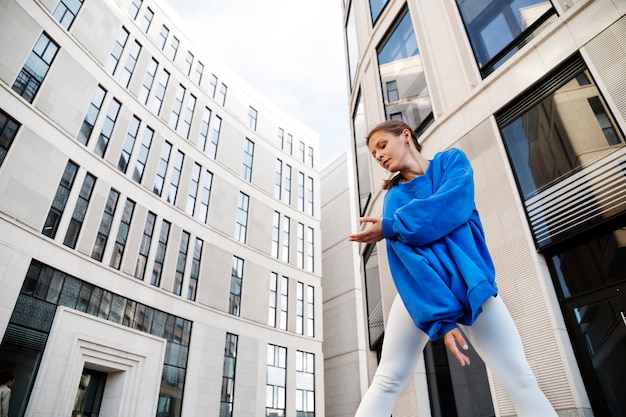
194 275
310 311
241 226
300 246
164 160
498 29
227 396
310 250
163 34
144 248
276 235
305 384
144 152
215 137
204 129
177 169
80 211
8 131
301 150
278 179
392 91
131 63
273 301
398 58
252 116
289 144
284 304
133 9
194 186
147 20
188 63
60 200
35 68
309 156
122 234
107 128
362 155
66 12
301 191
562 132
276 381
129 144
177 107
221 99
105 225
287 184
285 239
171 54
236 283
352 44
248 156
309 196
157 269
92 114
197 75
299 308
280 138
203 212
188 116
181 263
212 86
157 100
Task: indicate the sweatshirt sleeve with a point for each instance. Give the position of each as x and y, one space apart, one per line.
422 221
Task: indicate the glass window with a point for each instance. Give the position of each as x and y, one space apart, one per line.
228 376
400 65
204 129
203 212
305 384
131 63
309 196
299 308
222 94
107 128
215 137
213 86
301 191
159 179
376 7
177 107
310 311
278 179
285 238
181 263
173 48
300 246
80 211
194 275
35 68
252 116
129 144
497 29
147 20
273 301
275 234
177 169
194 186
363 155
284 304
157 269
92 114
352 44
197 75
163 34
248 157
122 234
66 12
144 152
241 225
236 283
144 248
133 9
286 197
188 63
60 200
563 132
190 107
8 131
105 225
310 250
276 381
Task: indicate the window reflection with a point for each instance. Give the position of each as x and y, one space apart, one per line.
405 92
352 45
376 7
494 27
362 155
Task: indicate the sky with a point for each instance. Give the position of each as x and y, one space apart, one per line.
290 51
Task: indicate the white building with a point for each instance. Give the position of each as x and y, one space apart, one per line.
159 223
533 92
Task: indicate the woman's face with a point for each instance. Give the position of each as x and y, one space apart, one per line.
389 149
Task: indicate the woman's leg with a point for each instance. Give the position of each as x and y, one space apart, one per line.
497 341
402 346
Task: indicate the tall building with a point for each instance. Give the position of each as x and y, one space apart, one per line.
159 223
533 92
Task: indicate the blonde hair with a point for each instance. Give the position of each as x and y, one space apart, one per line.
395 127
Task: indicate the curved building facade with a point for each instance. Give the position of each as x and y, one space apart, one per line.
159 223
533 92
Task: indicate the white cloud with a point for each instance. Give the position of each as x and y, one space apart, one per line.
291 51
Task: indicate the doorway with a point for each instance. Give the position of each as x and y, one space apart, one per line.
89 393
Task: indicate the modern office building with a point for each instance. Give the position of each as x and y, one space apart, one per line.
159 223
533 92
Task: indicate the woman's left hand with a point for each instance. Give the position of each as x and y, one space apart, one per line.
452 340
372 234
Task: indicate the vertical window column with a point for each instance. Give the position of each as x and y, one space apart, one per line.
157 270
105 225
276 381
227 396
122 234
236 284
181 263
80 211
195 270
144 248
60 200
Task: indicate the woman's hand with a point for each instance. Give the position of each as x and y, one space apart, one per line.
372 234
452 340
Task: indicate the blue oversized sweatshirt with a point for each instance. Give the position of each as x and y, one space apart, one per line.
436 246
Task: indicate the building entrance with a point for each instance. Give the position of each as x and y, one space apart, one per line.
591 277
89 393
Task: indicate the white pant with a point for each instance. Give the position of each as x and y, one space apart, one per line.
494 337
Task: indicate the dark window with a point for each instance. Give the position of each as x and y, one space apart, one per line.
8 131
60 200
36 67
80 211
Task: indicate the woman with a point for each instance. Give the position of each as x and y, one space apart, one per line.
6 382
443 272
